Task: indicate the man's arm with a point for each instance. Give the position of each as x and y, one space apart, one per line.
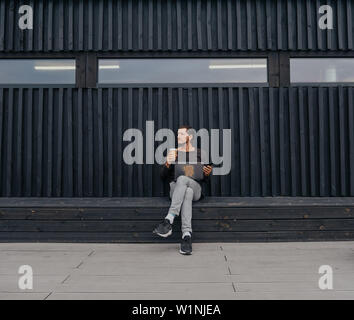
165 171
168 167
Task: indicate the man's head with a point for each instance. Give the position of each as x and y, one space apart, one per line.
184 135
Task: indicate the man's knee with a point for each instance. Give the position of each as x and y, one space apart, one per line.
182 180
189 194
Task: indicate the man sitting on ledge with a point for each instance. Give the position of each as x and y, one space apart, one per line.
185 186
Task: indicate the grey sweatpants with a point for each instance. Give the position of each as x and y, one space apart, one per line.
183 192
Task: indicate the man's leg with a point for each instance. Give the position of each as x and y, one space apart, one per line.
178 196
186 213
186 217
186 210
178 191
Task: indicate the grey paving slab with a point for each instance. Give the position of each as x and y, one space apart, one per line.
40 267
43 262
289 245
23 296
298 286
170 254
290 295
40 259
134 269
136 286
238 270
343 256
41 254
153 247
158 271
38 247
325 295
41 283
166 277
312 277
249 251
143 296
54 268
295 265
161 261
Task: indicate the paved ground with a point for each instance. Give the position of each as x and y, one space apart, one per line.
158 271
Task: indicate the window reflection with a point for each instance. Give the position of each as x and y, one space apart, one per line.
318 70
126 71
37 71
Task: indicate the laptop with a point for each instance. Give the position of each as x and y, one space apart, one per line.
194 171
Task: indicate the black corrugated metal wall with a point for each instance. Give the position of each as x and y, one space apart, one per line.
175 25
68 142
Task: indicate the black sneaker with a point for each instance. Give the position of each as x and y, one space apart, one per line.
186 245
164 229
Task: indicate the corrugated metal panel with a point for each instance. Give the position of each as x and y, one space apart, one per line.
68 142
176 25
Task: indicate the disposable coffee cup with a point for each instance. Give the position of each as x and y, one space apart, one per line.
173 150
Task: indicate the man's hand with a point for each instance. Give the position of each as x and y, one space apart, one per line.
171 157
207 170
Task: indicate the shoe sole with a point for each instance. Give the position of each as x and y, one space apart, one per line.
185 253
164 235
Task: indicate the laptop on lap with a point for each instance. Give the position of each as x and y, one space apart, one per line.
194 171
